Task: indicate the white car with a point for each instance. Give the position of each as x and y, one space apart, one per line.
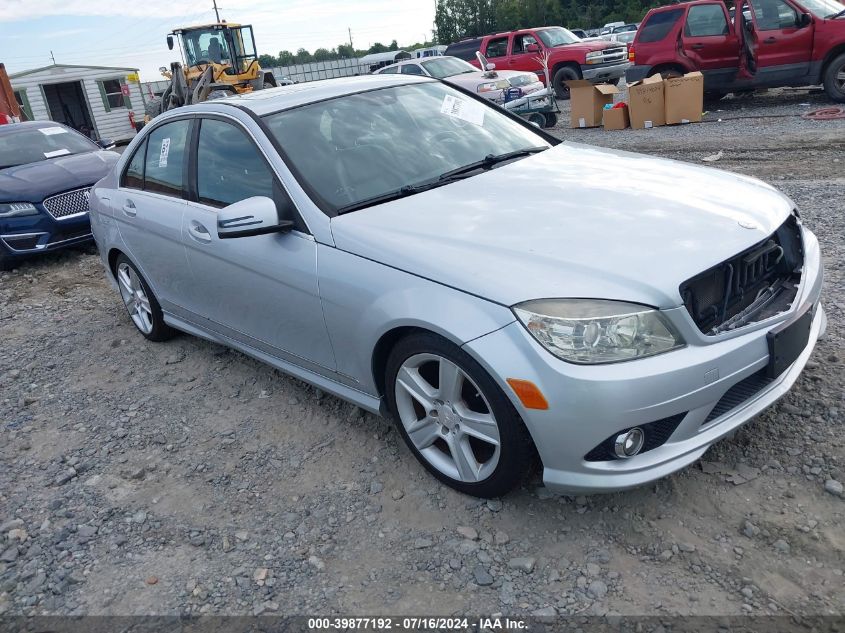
490 84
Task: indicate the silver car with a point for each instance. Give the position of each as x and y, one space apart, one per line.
491 84
503 295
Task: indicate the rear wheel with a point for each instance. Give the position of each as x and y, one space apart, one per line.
834 79
454 417
550 119
668 73
140 302
563 75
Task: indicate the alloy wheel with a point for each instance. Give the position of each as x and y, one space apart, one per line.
447 418
135 298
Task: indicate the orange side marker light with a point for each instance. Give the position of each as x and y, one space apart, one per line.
529 394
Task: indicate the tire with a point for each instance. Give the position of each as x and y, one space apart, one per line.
140 302
668 73
567 73
438 418
550 120
834 79
536 118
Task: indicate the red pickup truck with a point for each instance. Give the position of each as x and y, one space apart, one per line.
756 44
569 57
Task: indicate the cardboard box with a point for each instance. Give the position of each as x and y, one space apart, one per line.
646 104
684 98
587 102
617 119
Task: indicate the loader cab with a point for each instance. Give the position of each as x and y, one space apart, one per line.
229 45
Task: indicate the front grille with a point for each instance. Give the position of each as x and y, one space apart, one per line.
656 434
740 393
753 285
611 55
68 204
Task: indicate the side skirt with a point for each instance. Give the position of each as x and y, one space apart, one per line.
359 398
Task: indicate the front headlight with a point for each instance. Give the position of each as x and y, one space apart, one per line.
595 57
16 209
592 331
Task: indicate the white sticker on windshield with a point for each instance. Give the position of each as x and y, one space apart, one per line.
49 131
58 152
165 150
462 109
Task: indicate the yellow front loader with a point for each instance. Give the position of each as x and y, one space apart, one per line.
217 60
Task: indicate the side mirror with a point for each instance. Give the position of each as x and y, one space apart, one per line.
170 42
490 67
106 143
253 216
806 20
533 48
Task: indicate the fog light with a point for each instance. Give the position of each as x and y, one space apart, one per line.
629 443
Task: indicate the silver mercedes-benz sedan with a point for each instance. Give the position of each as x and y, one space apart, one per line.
408 247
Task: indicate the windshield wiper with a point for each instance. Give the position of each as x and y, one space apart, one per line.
403 192
444 179
836 15
490 161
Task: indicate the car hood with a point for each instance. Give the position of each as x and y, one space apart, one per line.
588 46
35 181
573 221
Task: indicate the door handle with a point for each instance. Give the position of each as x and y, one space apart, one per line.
129 209
199 232
697 47
770 40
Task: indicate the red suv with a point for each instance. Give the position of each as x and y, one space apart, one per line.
756 44
569 57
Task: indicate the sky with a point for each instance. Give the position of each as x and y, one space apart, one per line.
132 34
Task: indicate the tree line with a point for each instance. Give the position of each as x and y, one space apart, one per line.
341 51
455 19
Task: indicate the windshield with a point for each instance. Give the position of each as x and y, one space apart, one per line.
204 46
823 8
557 36
31 145
448 67
357 147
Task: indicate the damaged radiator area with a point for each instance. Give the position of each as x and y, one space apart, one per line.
751 286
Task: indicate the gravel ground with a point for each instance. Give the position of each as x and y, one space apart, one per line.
183 478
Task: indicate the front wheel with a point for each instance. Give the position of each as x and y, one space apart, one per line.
454 417
834 79
559 82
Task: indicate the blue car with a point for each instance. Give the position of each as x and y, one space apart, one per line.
46 174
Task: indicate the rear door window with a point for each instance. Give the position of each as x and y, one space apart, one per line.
412 69
497 48
164 165
659 25
705 20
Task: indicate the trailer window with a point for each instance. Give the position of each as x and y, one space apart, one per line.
659 25
114 93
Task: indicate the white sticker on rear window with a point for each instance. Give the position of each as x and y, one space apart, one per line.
165 150
49 131
469 111
58 152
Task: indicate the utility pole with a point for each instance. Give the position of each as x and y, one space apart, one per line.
350 39
216 12
53 58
